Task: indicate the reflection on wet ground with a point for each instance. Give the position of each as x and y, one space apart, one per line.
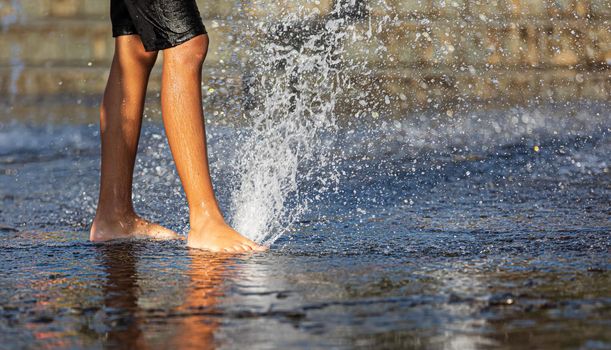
152 294
507 248
194 314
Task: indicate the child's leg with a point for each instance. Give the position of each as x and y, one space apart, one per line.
120 121
181 104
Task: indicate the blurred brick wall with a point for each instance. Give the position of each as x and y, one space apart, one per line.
442 52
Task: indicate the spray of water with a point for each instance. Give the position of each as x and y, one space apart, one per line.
14 16
297 82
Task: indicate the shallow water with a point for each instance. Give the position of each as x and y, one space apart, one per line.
490 232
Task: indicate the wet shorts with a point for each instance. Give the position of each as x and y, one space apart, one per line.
160 23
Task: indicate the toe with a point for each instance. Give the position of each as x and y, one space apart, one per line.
246 247
238 248
259 248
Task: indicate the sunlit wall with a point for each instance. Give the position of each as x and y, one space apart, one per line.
445 55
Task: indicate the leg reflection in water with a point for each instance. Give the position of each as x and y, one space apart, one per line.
121 292
158 322
200 308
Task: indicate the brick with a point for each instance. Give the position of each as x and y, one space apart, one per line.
410 8
490 10
377 51
568 8
219 9
448 8
223 43
23 10
8 12
486 89
445 45
95 8
400 41
581 8
519 87
48 42
532 55
65 8
29 111
381 8
89 80
600 9
474 46
563 48
596 86
510 46
52 80
494 46
279 10
562 85
597 46
529 8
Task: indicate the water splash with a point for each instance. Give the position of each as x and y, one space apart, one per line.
10 14
17 67
13 15
299 77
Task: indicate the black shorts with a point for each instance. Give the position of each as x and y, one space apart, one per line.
160 23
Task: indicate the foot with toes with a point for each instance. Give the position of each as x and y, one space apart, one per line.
128 227
217 236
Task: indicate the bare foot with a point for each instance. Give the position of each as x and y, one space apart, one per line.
217 236
129 227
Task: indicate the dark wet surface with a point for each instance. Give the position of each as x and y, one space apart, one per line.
452 246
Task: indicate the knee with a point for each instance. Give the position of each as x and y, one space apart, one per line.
143 59
191 53
129 51
146 59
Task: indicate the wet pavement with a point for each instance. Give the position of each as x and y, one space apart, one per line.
450 246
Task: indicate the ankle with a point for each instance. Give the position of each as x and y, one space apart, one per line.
114 214
201 220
